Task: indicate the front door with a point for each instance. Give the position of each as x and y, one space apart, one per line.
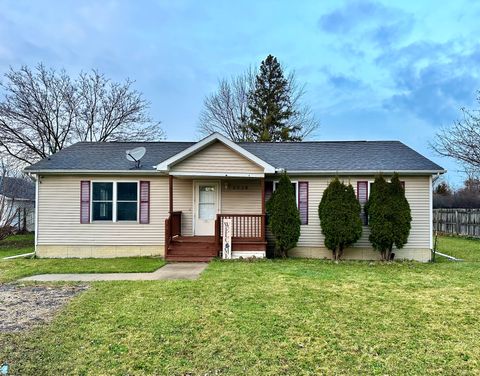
206 199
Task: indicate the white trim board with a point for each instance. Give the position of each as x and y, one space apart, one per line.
165 165
216 174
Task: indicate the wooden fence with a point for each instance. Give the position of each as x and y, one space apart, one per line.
457 221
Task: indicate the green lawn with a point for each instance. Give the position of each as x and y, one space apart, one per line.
18 268
268 318
17 245
463 248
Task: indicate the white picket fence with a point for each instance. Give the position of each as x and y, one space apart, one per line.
464 222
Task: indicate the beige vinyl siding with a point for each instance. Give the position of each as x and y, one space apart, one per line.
238 196
417 191
241 197
217 158
59 214
183 201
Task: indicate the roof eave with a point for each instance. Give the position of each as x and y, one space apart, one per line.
92 172
365 172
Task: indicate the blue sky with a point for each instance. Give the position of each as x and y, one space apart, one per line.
374 70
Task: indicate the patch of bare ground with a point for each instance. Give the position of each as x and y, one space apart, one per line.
25 306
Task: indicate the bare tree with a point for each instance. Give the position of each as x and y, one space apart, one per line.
111 111
462 140
44 110
226 111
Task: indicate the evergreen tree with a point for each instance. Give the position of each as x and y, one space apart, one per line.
339 213
403 216
284 216
389 216
271 106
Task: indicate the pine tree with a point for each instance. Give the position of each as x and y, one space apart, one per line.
389 216
284 216
339 213
270 105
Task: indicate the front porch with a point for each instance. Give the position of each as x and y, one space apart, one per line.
195 233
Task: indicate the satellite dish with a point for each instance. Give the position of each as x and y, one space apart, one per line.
135 155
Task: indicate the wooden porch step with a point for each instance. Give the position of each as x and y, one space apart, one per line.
191 252
194 239
189 258
192 248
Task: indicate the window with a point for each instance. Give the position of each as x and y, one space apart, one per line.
207 197
301 198
127 203
102 201
114 201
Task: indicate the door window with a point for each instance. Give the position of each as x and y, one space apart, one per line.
207 202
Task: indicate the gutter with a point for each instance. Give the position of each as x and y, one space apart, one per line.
277 170
364 172
93 172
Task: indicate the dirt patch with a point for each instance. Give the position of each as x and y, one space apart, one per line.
22 307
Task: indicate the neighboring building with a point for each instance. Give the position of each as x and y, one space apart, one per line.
92 202
17 201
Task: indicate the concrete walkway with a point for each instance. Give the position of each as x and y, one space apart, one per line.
184 270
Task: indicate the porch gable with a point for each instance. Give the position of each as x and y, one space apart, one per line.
215 156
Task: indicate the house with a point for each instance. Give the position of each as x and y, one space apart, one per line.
17 203
93 202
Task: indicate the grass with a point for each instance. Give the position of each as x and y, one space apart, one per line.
17 268
463 248
17 245
269 318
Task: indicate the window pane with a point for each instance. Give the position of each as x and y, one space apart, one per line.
102 191
102 211
206 211
126 211
207 195
127 191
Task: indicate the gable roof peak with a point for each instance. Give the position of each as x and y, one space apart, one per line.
203 143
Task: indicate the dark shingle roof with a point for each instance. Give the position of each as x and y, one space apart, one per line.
108 156
17 188
341 156
335 156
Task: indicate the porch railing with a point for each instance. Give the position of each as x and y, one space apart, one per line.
245 227
173 227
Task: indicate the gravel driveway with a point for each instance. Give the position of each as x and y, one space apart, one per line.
22 307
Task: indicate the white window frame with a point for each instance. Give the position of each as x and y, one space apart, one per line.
114 200
275 182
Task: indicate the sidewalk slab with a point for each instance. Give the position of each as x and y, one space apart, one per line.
184 270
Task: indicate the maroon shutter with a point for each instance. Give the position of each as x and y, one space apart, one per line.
403 184
303 201
144 202
268 189
85 201
362 196
362 192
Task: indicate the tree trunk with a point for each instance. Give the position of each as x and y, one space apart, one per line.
389 253
24 220
334 254
340 253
